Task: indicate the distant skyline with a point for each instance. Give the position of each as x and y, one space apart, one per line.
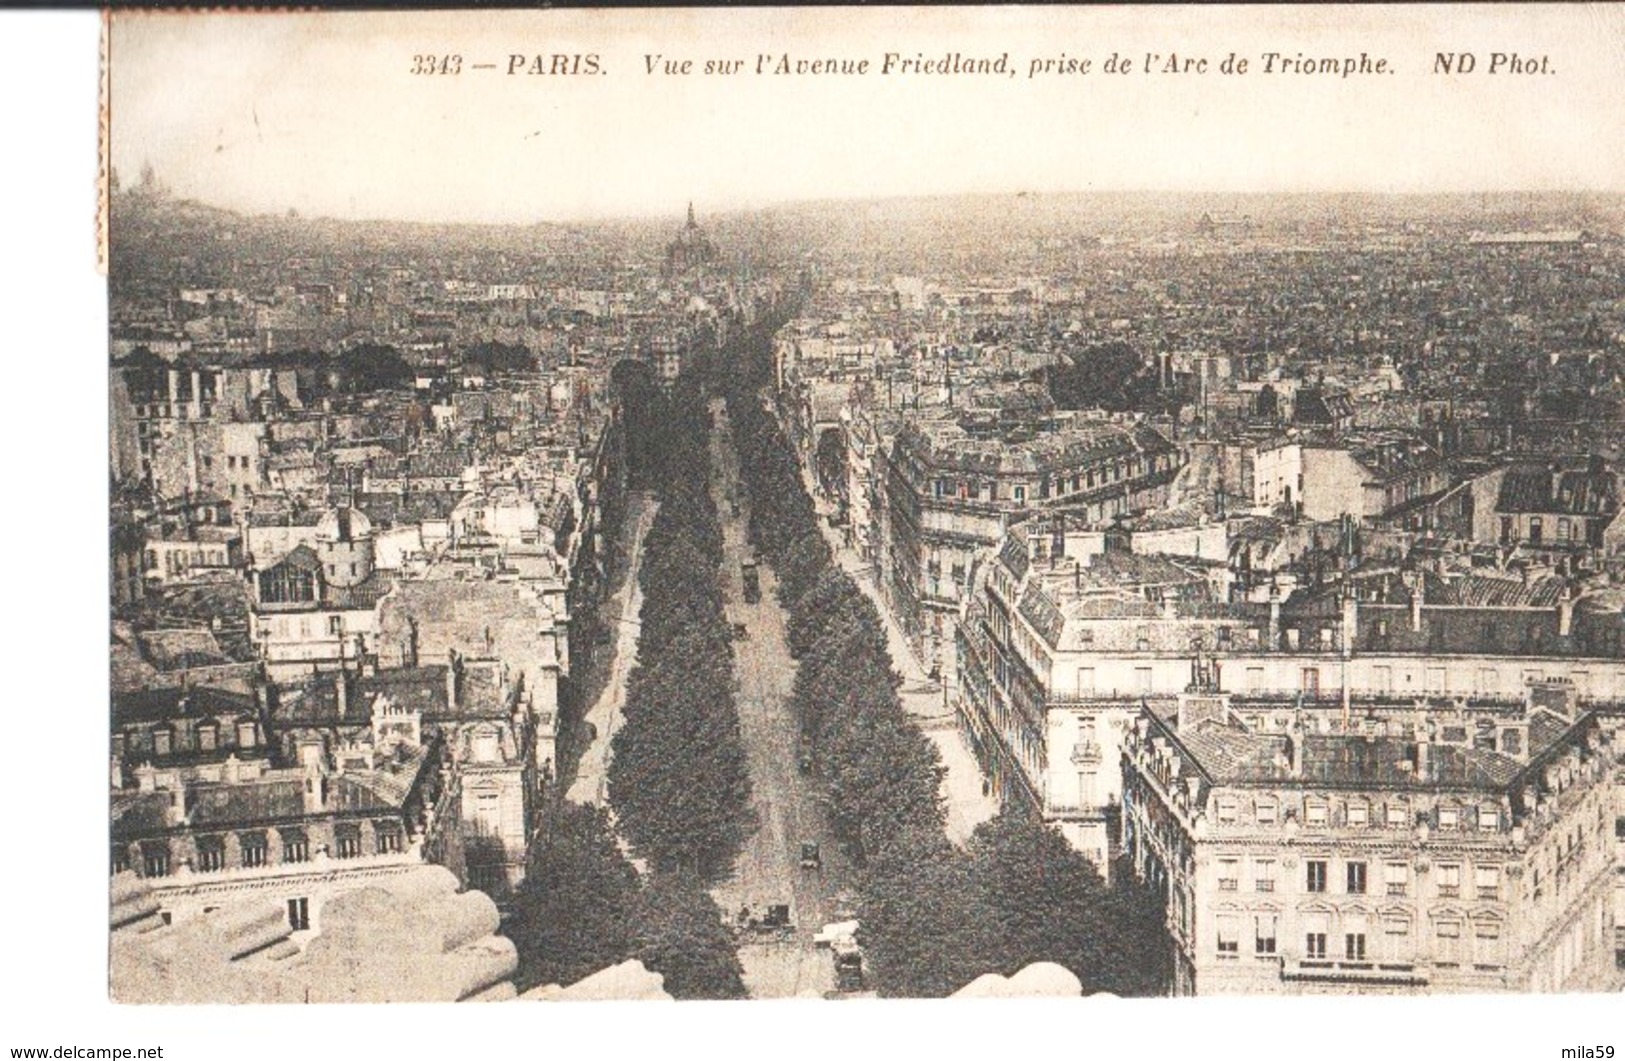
320 112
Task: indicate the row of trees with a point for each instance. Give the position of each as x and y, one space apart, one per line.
583 907
678 779
934 916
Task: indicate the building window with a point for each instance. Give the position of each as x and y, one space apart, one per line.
1359 815
1314 813
254 849
162 741
155 860
1449 881
1449 817
1229 875
1315 875
1227 811
1314 946
1354 946
1398 878
335 626
1487 943
1448 934
211 854
1489 819
1535 531
1229 938
121 858
1356 878
347 839
1265 810
1264 934
389 838
299 914
1487 882
295 846
1264 875
246 737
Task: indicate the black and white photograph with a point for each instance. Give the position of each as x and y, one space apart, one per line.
1110 505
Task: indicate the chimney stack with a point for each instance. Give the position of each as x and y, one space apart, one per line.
1565 614
1424 757
454 667
1418 594
312 760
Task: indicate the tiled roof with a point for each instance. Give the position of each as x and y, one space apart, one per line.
1540 489
225 805
141 814
201 701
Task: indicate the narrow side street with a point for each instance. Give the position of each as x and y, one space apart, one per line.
621 610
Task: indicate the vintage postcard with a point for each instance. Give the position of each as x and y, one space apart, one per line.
843 503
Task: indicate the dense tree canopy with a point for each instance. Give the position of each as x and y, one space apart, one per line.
574 909
678 778
680 934
933 917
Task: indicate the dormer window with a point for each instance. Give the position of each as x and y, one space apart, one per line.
485 747
1449 818
1314 813
163 741
1358 814
207 737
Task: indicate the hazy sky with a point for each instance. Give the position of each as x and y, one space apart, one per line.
321 112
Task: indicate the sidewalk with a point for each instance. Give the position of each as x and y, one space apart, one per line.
967 804
589 785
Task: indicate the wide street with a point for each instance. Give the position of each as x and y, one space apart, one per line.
769 869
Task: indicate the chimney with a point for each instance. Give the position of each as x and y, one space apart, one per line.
454 668
1273 636
312 760
1351 620
1565 615
1424 743
1418 595
341 690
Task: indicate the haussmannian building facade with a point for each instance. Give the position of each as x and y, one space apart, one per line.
1432 847
1057 652
952 486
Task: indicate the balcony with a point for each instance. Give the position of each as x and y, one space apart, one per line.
1086 752
1325 971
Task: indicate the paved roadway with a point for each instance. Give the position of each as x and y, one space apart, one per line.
590 784
769 870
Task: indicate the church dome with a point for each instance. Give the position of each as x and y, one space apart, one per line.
343 524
